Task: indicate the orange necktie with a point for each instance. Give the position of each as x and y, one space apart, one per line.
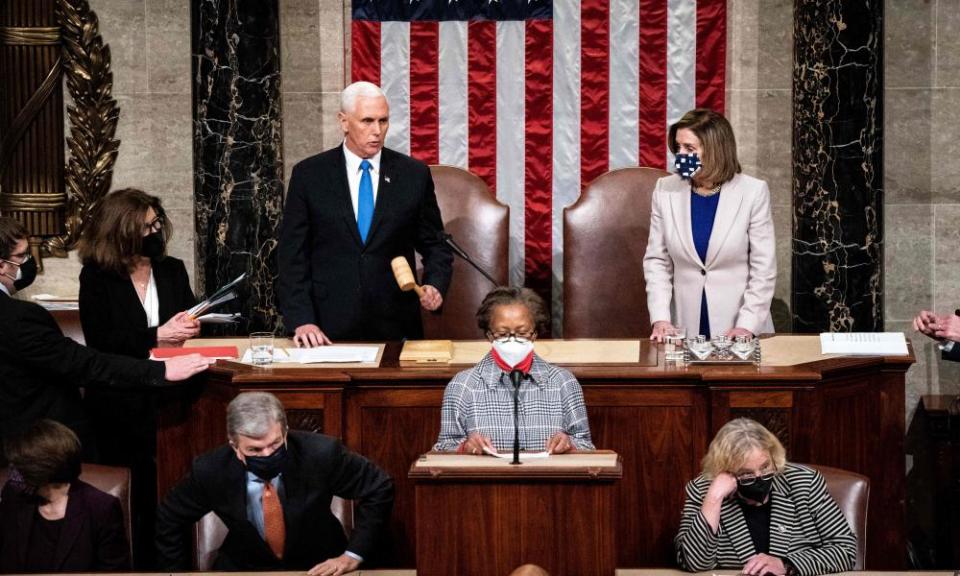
274 531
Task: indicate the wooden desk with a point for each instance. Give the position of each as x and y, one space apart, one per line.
841 412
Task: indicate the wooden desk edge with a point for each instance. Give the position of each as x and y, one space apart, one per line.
593 473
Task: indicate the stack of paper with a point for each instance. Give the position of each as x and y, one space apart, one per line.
221 296
863 343
323 354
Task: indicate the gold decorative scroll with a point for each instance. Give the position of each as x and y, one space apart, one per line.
92 116
33 36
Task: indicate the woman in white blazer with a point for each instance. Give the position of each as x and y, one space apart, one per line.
710 264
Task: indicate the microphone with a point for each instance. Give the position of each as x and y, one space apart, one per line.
516 376
449 241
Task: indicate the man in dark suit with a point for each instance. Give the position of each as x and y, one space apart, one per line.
350 211
273 491
41 370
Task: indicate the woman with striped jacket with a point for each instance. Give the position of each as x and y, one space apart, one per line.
752 510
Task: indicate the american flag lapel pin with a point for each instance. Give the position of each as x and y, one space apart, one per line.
386 179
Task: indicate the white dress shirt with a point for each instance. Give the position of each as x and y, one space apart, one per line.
354 173
151 303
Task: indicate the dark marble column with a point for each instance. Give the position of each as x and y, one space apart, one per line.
838 166
238 162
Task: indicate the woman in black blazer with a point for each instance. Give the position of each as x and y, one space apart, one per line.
49 520
133 298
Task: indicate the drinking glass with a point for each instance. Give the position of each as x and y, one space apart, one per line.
673 344
261 348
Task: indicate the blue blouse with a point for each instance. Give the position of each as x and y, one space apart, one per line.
703 210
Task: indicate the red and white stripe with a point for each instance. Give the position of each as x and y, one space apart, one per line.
540 108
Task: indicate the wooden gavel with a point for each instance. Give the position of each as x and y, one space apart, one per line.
404 275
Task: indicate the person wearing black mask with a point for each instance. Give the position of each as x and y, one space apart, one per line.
41 370
133 298
50 520
736 512
273 489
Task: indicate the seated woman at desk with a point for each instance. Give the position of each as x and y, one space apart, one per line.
133 297
477 411
753 511
50 521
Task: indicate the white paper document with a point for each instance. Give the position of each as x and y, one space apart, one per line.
523 455
215 318
322 354
864 343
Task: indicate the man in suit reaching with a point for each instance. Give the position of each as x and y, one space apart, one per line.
273 488
349 211
41 370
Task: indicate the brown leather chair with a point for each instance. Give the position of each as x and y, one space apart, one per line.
69 322
110 479
209 533
851 491
479 225
604 239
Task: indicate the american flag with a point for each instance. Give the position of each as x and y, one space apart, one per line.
539 97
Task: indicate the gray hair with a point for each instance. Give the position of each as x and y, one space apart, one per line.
348 98
252 414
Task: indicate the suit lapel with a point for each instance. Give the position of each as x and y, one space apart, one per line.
731 198
73 524
680 207
384 196
164 294
782 515
733 523
340 185
294 500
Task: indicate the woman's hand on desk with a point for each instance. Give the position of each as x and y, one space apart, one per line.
309 336
560 443
660 329
762 564
334 566
178 329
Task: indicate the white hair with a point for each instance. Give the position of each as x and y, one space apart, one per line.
348 98
252 414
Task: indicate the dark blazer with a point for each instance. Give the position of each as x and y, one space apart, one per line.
328 277
92 537
112 316
807 528
318 468
41 370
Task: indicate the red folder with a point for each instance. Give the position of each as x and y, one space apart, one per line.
225 352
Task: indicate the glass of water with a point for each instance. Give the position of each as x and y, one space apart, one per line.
743 347
722 344
700 347
261 348
673 344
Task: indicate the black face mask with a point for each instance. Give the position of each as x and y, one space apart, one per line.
267 467
28 273
152 245
757 491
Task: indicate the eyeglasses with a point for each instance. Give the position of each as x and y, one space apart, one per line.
748 479
155 225
25 258
503 337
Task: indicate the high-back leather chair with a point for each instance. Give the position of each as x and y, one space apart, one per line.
479 225
209 533
604 239
113 480
851 491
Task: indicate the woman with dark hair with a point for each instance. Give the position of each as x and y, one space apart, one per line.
710 264
133 297
477 411
50 521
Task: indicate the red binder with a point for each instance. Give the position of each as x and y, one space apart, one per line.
219 352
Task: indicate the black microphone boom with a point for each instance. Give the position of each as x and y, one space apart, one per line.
448 239
516 376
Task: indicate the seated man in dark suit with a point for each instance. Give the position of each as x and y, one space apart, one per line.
349 212
273 488
41 370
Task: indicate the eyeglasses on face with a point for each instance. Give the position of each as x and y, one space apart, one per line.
748 479
23 256
504 336
155 225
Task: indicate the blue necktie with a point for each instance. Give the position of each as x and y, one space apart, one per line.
365 201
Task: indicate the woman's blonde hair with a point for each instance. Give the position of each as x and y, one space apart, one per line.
734 442
719 146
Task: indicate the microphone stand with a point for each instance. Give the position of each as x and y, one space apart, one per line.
448 240
515 377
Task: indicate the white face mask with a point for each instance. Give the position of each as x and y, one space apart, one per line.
513 352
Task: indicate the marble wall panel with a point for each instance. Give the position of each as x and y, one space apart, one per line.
238 185
908 260
944 146
907 154
838 169
947 38
910 42
946 257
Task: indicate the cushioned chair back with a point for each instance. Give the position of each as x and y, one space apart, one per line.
479 224
210 532
110 479
604 238
69 322
851 491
